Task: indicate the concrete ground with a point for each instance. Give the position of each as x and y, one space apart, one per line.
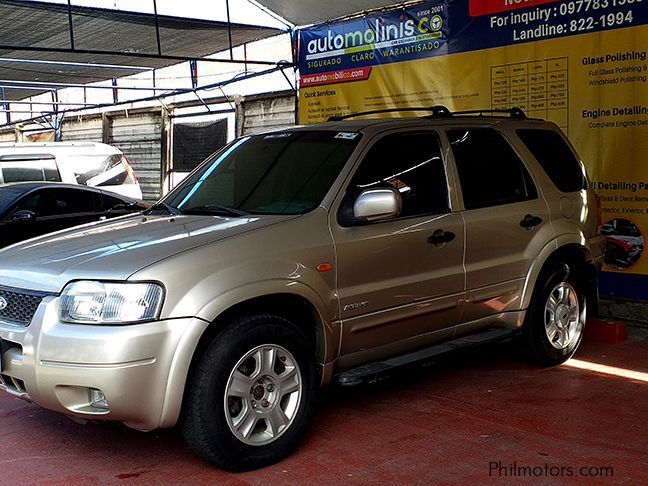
479 418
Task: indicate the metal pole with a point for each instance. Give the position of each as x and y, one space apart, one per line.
229 30
6 106
69 9
193 68
157 27
115 92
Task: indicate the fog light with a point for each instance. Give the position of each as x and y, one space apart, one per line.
98 399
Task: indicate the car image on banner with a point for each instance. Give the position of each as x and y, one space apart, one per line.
624 243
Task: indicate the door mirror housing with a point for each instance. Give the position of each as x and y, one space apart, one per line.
377 205
23 215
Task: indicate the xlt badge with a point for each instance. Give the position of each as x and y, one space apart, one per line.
355 305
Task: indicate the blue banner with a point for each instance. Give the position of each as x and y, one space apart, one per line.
453 26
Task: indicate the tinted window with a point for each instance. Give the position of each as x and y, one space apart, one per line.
490 171
110 202
278 173
54 202
556 158
411 163
29 170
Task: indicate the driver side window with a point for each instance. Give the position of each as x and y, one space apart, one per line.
30 203
410 163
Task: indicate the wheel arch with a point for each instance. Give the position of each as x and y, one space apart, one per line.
573 252
292 306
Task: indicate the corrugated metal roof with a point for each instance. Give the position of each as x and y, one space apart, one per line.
304 12
46 25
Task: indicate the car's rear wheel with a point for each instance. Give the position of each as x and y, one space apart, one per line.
250 398
555 320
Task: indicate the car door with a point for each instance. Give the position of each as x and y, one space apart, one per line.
507 220
397 289
61 208
53 209
20 221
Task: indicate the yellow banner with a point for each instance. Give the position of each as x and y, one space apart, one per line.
594 86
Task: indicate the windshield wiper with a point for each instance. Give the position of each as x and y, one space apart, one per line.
214 209
163 207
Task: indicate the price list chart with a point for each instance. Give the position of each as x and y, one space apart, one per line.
540 88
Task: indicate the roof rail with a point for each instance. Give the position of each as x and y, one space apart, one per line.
512 112
438 110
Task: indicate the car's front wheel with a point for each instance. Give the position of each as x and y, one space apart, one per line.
250 398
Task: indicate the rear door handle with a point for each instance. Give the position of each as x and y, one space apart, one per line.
440 237
529 222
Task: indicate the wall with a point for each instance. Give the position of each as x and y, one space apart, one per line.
262 113
144 135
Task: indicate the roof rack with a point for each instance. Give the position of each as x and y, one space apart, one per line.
437 111
512 112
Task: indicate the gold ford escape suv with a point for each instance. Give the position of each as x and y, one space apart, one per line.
296 258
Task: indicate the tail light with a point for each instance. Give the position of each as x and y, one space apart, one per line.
131 177
599 214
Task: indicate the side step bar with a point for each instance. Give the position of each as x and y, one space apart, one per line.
372 372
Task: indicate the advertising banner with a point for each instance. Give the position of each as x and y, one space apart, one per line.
579 63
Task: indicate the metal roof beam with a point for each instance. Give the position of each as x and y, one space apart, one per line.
59 103
219 85
75 64
35 85
138 55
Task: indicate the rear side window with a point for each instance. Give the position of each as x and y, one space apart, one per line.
410 163
490 172
29 170
556 158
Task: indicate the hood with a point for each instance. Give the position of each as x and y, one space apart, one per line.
114 250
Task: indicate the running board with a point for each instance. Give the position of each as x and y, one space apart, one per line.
372 372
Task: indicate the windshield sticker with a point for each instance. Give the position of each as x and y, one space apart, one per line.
278 135
347 135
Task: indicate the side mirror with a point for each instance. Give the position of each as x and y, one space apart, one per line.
377 205
23 215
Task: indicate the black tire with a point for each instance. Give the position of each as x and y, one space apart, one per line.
205 423
536 342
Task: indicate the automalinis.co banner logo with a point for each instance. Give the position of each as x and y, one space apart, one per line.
343 52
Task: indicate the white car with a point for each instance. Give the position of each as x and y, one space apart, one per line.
87 163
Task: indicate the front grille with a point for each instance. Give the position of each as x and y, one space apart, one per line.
20 305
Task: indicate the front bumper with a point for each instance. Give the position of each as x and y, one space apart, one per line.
140 369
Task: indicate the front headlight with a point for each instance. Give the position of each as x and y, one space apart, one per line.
88 302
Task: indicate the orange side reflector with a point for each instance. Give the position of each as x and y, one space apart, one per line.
324 267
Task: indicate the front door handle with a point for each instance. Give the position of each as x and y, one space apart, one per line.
529 222
440 237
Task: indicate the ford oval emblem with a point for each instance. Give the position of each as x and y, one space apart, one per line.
3 303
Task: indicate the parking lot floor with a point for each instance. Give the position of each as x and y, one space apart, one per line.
480 417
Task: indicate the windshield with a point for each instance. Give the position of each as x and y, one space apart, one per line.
279 173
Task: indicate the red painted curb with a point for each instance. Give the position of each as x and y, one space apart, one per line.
611 332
